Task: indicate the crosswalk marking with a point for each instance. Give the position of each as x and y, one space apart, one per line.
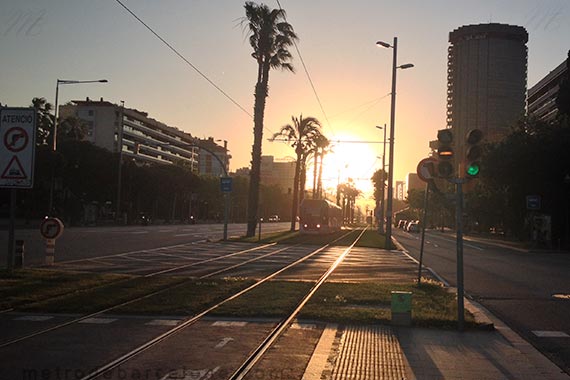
551 334
34 318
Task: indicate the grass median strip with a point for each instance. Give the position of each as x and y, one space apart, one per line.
82 293
370 238
432 304
34 285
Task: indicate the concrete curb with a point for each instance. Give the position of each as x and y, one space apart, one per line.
548 369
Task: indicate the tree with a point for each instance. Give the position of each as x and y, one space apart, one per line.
270 37
301 134
44 120
71 128
319 150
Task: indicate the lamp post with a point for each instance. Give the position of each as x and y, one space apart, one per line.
381 218
55 122
395 66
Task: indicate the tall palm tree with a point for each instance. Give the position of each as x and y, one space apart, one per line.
270 36
301 135
321 144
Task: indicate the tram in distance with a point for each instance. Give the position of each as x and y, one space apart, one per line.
319 216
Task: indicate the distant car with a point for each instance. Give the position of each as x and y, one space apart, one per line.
413 226
274 218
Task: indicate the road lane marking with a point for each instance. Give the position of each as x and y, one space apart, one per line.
98 321
138 232
33 318
223 342
163 322
551 334
229 324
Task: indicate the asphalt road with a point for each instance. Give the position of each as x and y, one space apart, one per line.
84 242
528 291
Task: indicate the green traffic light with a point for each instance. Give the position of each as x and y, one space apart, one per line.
473 169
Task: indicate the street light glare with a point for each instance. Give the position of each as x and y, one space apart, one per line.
384 44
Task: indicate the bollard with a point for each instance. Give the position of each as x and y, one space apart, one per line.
19 255
401 308
50 250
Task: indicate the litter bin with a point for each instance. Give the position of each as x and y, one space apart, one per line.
401 308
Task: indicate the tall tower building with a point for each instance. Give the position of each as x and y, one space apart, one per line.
486 82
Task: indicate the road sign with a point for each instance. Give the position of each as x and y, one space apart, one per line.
226 184
51 228
426 168
533 202
17 147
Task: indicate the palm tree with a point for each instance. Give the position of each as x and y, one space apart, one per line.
44 119
270 36
319 150
301 134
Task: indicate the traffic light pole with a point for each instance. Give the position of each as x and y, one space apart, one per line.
459 234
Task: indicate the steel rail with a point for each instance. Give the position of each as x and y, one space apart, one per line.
159 291
258 353
145 346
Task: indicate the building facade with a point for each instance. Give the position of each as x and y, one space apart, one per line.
486 82
280 173
137 136
541 98
214 159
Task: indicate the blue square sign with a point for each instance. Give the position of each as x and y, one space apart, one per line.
226 184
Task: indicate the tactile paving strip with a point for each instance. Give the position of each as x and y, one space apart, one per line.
368 353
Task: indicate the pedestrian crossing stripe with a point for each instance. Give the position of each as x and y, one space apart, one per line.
551 334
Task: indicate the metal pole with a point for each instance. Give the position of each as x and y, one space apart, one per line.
120 167
391 145
11 231
382 201
424 220
53 148
54 134
459 228
226 214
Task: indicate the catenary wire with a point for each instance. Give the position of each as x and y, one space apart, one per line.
310 80
185 59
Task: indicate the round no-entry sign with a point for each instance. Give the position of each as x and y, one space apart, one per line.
51 228
426 169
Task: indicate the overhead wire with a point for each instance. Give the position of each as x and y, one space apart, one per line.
309 78
185 59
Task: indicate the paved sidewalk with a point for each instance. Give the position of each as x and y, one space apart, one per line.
396 353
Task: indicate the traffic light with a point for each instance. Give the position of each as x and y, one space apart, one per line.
444 167
473 153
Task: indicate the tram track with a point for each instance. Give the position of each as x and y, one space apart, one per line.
258 352
154 340
149 295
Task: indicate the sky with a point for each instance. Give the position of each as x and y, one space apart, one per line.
41 42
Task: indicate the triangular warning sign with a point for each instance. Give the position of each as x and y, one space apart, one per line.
14 170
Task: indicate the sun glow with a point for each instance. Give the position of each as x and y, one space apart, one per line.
352 161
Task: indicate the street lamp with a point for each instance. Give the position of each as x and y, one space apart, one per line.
54 134
395 66
66 81
381 218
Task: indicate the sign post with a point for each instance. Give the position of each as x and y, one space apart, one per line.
17 154
226 184
425 170
51 229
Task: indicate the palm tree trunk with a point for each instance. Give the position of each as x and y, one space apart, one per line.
315 173
320 180
254 176
295 203
302 180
